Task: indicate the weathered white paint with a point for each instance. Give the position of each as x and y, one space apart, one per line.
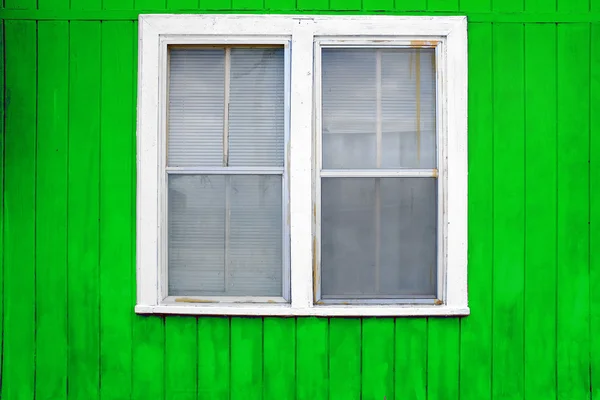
447 34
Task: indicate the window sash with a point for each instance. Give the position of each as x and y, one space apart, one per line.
166 170
439 173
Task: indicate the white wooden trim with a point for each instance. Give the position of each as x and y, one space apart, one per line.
446 34
318 311
301 107
457 192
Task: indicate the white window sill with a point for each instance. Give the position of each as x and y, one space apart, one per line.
319 311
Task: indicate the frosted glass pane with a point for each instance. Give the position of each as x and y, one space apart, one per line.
378 237
225 235
354 93
196 104
256 109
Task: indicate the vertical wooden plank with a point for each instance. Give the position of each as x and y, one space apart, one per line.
247 4
246 358
312 5
279 380
51 212
83 210
378 5
181 357
3 105
573 5
175 5
312 369
476 330
410 5
116 4
213 358
149 5
411 359
117 140
595 207
19 211
86 4
280 5
442 5
20 4
540 211
377 358
148 357
217 4
443 358
540 6
345 358
508 5
53 4
508 200
573 333
475 6
345 5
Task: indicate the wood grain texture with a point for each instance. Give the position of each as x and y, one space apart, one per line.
442 5
476 330
377 358
246 358
279 358
84 210
181 358
345 358
312 364
117 142
540 211
377 5
213 358
573 212
443 358
411 359
508 213
18 358
148 357
51 210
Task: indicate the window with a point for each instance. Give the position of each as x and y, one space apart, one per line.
302 165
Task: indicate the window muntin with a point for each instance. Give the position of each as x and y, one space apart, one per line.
225 172
378 235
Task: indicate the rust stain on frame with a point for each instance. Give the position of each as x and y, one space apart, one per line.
191 300
438 302
424 43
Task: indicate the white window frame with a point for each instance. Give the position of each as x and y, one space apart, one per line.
448 35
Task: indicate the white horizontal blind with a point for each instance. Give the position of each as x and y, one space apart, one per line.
225 230
407 100
196 103
256 119
378 235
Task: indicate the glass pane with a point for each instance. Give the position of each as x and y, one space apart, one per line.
256 109
196 104
225 235
378 108
378 237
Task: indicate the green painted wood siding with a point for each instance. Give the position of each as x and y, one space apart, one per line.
68 225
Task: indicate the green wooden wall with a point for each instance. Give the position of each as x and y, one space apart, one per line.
68 225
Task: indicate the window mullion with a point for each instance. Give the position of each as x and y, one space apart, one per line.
300 151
